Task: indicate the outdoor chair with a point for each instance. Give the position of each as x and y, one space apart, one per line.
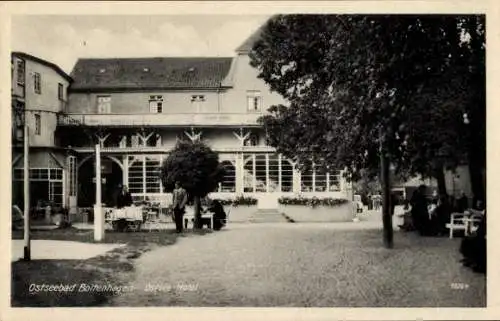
458 221
464 222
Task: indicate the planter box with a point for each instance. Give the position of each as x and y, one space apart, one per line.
301 213
240 213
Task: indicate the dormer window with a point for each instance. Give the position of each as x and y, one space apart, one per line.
197 102
156 104
197 98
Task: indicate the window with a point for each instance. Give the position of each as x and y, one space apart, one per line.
320 180
197 101
252 140
267 173
103 104
53 178
60 91
156 104
38 124
228 183
254 102
37 79
144 174
20 72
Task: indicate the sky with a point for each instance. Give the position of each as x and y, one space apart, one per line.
64 39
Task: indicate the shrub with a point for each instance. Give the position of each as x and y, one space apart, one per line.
312 202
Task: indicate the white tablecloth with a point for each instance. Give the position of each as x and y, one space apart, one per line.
132 213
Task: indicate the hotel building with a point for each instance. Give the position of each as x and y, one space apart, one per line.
136 109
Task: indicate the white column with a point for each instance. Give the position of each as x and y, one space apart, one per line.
267 173
98 213
125 170
342 181
239 173
279 173
65 195
314 179
328 180
254 176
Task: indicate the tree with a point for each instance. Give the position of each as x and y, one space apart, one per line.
196 167
347 78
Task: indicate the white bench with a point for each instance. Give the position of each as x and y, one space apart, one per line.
189 217
463 222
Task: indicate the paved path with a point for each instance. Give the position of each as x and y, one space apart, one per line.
302 265
59 250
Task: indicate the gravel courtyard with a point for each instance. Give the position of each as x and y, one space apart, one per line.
304 265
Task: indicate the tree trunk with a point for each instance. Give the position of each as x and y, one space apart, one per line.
197 213
476 179
439 175
386 188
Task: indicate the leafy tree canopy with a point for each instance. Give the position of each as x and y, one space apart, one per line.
195 166
352 80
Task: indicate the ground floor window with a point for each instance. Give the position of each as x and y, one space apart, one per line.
320 180
46 186
144 174
228 184
267 173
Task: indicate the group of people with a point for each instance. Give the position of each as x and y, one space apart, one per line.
123 198
430 216
430 219
179 202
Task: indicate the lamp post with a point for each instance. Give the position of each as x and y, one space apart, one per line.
26 184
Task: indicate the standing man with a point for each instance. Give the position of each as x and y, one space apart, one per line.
123 197
179 196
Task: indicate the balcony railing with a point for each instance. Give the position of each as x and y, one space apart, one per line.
159 120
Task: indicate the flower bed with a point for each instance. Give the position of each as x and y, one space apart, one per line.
312 202
304 209
238 201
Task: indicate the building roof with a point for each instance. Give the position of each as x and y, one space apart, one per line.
149 73
41 61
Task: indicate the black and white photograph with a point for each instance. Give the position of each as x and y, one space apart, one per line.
256 160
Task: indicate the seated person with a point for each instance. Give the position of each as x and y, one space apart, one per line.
473 249
407 219
219 214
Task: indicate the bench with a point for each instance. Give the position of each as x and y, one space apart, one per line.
463 222
206 219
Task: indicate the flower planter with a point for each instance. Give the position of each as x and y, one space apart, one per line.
303 213
241 213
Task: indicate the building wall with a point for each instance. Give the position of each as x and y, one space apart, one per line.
45 105
48 99
17 89
244 78
138 102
